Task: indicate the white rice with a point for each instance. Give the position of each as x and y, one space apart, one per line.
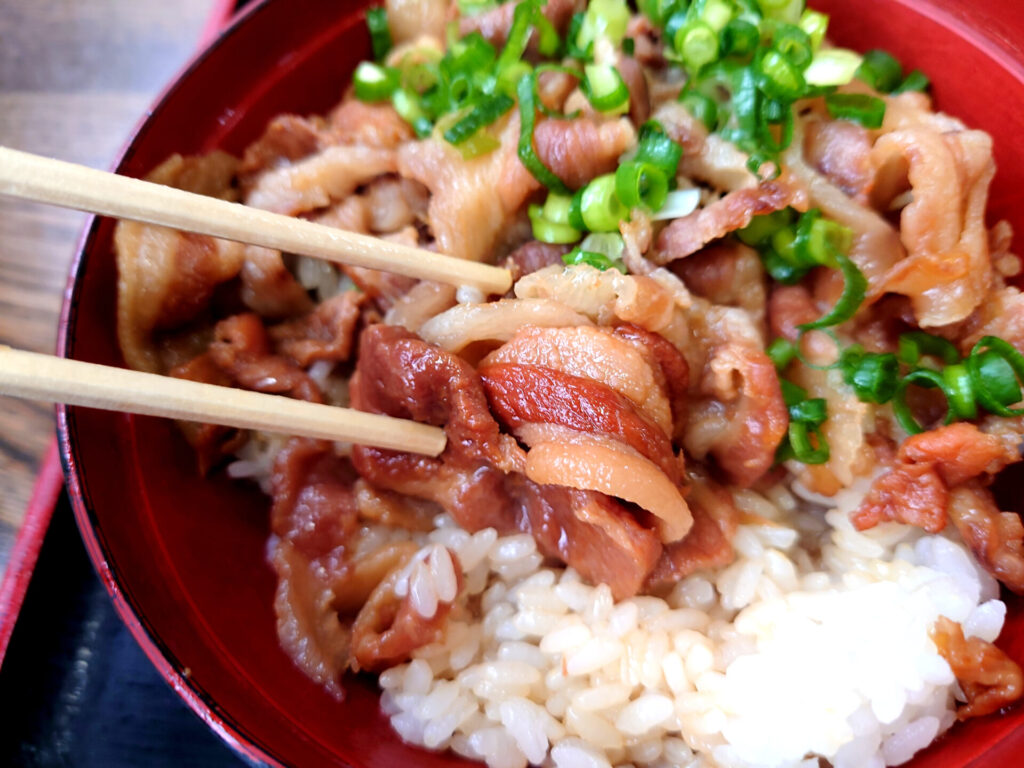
775 660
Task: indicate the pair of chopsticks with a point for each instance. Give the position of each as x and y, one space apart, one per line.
46 377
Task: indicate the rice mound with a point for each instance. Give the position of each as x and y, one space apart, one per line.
776 660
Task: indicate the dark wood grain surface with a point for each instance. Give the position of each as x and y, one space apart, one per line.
75 77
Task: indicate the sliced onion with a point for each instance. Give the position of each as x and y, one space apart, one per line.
622 473
680 202
460 326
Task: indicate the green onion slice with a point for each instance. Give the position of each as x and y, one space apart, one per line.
739 38
380 32
373 82
915 81
603 19
815 24
548 231
915 344
656 147
761 228
605 89
780 78
880 70
808 443
781 352
835 66
602 251
526 90
697 44
489 109
928 379
701 107
859 108
854 290
873 377
640 184
959 391
996 385
810 411
518 34
600 206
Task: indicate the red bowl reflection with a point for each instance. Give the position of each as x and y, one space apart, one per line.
184 558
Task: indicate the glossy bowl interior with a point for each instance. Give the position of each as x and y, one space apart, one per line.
184 558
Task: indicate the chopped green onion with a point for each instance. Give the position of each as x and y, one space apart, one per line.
781 270
791 393
998 380
783 242
629 46
600 207
782 10
593 259
873 377
715 13
793 43
854 289
483 114
959 391
701 107
779 77
817 240
610 244
657 11
373 82
518 34
527 92
880 70
697 44
572 48
921 377
548 231
640 184
557 207
479 143
739 38
656 147
915 81
678 203
603 19
602 251
859 108
575 215
913 345
781 352
802 438
811 411
605 89
380 32
761 228
511 75
548 41
835 66
815 24
995 388
407 105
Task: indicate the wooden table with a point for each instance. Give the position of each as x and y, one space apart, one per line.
75 77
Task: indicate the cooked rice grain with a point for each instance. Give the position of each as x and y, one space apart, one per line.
776 659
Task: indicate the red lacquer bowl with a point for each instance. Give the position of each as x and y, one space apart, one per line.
183 558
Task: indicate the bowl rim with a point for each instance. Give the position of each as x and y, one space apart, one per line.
244 743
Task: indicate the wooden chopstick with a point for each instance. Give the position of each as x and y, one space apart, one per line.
58 380
68 185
